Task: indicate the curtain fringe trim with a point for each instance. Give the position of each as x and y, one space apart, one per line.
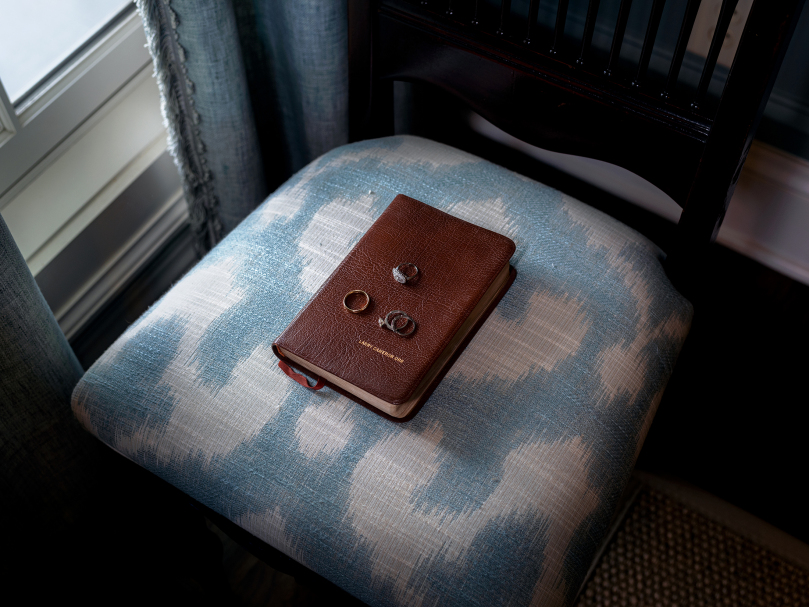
182 119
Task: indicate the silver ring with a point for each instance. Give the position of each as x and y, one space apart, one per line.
393 321
401 276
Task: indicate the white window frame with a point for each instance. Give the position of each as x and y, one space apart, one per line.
45 118
73 145
88 142
8 120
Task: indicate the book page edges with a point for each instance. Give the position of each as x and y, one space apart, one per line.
403 409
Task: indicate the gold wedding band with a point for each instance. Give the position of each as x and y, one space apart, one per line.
356 310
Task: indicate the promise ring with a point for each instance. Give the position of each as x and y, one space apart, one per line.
353 301
404 272
398 322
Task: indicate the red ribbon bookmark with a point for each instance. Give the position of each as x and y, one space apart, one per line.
301 379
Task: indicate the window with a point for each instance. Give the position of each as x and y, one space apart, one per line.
65 86
45 34
82 145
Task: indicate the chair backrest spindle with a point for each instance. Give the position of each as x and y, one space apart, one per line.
533 9
691 10
725 15
505 13
559 32
589 28
476 16
618 36
648 41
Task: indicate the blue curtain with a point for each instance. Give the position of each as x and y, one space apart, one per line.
252 90
46 458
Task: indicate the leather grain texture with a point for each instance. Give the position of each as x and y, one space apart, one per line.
457 262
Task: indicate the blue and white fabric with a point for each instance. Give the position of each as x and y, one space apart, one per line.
500 490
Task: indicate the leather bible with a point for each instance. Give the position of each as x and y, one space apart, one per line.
385 327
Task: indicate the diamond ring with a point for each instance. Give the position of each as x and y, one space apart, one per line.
398 322
404 272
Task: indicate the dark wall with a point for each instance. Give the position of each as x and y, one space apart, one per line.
786 119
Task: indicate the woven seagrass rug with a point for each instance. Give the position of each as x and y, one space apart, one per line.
675 545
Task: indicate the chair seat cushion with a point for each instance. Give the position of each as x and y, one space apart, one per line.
502 486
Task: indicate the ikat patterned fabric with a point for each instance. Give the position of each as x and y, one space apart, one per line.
499 491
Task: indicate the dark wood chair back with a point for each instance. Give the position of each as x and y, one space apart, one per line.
567 94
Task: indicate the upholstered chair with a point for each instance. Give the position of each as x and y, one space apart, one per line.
502 485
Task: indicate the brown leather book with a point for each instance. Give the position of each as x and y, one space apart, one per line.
454 274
